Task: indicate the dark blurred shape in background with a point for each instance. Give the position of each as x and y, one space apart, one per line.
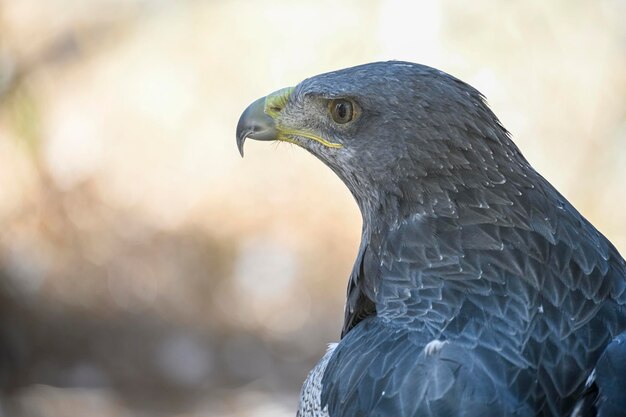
145 270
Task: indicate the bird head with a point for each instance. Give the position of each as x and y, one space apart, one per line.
395 132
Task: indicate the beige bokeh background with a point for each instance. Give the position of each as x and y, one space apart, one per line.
146 269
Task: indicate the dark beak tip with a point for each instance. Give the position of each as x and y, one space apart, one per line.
243 130
242 134
240 141
255 124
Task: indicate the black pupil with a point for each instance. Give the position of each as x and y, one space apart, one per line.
342 110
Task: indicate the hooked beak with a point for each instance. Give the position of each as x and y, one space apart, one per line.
255 124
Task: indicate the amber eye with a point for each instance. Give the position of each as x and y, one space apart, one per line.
341 110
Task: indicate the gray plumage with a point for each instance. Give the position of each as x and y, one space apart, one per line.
478 289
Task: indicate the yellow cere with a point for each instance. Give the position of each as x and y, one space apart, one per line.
274 103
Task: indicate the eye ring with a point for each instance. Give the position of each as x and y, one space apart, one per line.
341 110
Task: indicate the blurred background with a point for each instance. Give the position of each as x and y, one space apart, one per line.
147 270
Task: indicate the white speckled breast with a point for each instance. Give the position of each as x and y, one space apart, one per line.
310 396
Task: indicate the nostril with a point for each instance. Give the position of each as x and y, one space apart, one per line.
276 109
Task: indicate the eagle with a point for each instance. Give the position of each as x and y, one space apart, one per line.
478 289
